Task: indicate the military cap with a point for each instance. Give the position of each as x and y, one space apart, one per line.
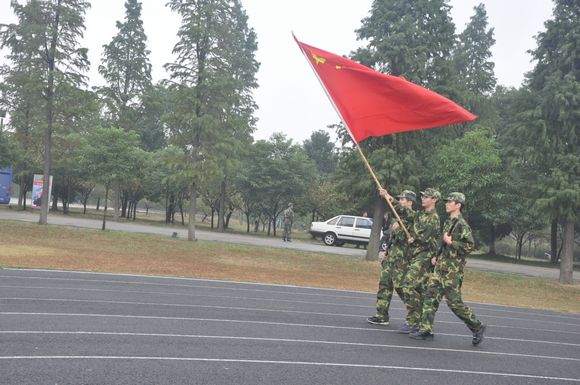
456 197
431 192
408 194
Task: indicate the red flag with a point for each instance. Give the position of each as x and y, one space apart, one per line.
374 104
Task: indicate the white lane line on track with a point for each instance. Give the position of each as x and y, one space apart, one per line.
360 296
482 316
300 363
268 299
296 341
285 324
188 279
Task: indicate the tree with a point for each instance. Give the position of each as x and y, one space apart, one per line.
8 149
155 104
474 68
473 165
472 55
555 79
126 69
322 152
413 39
213 76
109 156
278 173
48 33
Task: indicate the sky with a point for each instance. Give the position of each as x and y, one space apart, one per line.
289 97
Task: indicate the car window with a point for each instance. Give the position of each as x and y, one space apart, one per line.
333 221
346 221
362 223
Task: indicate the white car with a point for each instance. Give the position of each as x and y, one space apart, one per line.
343 229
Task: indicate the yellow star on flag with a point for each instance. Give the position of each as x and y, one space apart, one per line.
318 59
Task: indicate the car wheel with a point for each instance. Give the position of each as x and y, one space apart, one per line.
383 246
329 239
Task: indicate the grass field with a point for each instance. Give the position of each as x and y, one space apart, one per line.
25 245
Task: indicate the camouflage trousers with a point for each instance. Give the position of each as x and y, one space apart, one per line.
446 284
414 287
392 274
287 231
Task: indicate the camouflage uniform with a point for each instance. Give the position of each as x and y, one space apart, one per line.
448 276
288 219
425 232
393 270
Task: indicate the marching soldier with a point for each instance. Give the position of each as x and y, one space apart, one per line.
425 232
394 263
448 274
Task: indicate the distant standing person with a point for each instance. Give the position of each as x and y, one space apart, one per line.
288 220
448 275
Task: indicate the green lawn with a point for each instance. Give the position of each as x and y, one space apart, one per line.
27 245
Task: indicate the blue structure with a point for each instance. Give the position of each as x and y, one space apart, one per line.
5 185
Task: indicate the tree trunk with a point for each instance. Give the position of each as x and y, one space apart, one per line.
554 242
43 220
105 209
492 240
170 209
22 195
117 201
55 199
228 217
66 206
373 247
567 259
181 209
222 206
192 209
47 140
125 208
519 245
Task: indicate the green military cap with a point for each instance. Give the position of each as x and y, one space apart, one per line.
408 194
456 197
431 192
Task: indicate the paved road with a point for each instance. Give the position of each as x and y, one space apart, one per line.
87 328
62 220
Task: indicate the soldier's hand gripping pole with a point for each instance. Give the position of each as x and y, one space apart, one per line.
366 162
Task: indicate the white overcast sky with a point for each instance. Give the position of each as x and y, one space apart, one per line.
289 97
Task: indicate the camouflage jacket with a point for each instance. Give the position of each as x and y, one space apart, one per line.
425 228
426 231
398 236
454 255
288 216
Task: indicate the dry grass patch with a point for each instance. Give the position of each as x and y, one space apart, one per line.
26 245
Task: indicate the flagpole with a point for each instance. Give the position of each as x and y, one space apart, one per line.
366 162
363 157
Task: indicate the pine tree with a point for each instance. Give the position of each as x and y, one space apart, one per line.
473 55
555 81
410 38
47 34
126 69
213 76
